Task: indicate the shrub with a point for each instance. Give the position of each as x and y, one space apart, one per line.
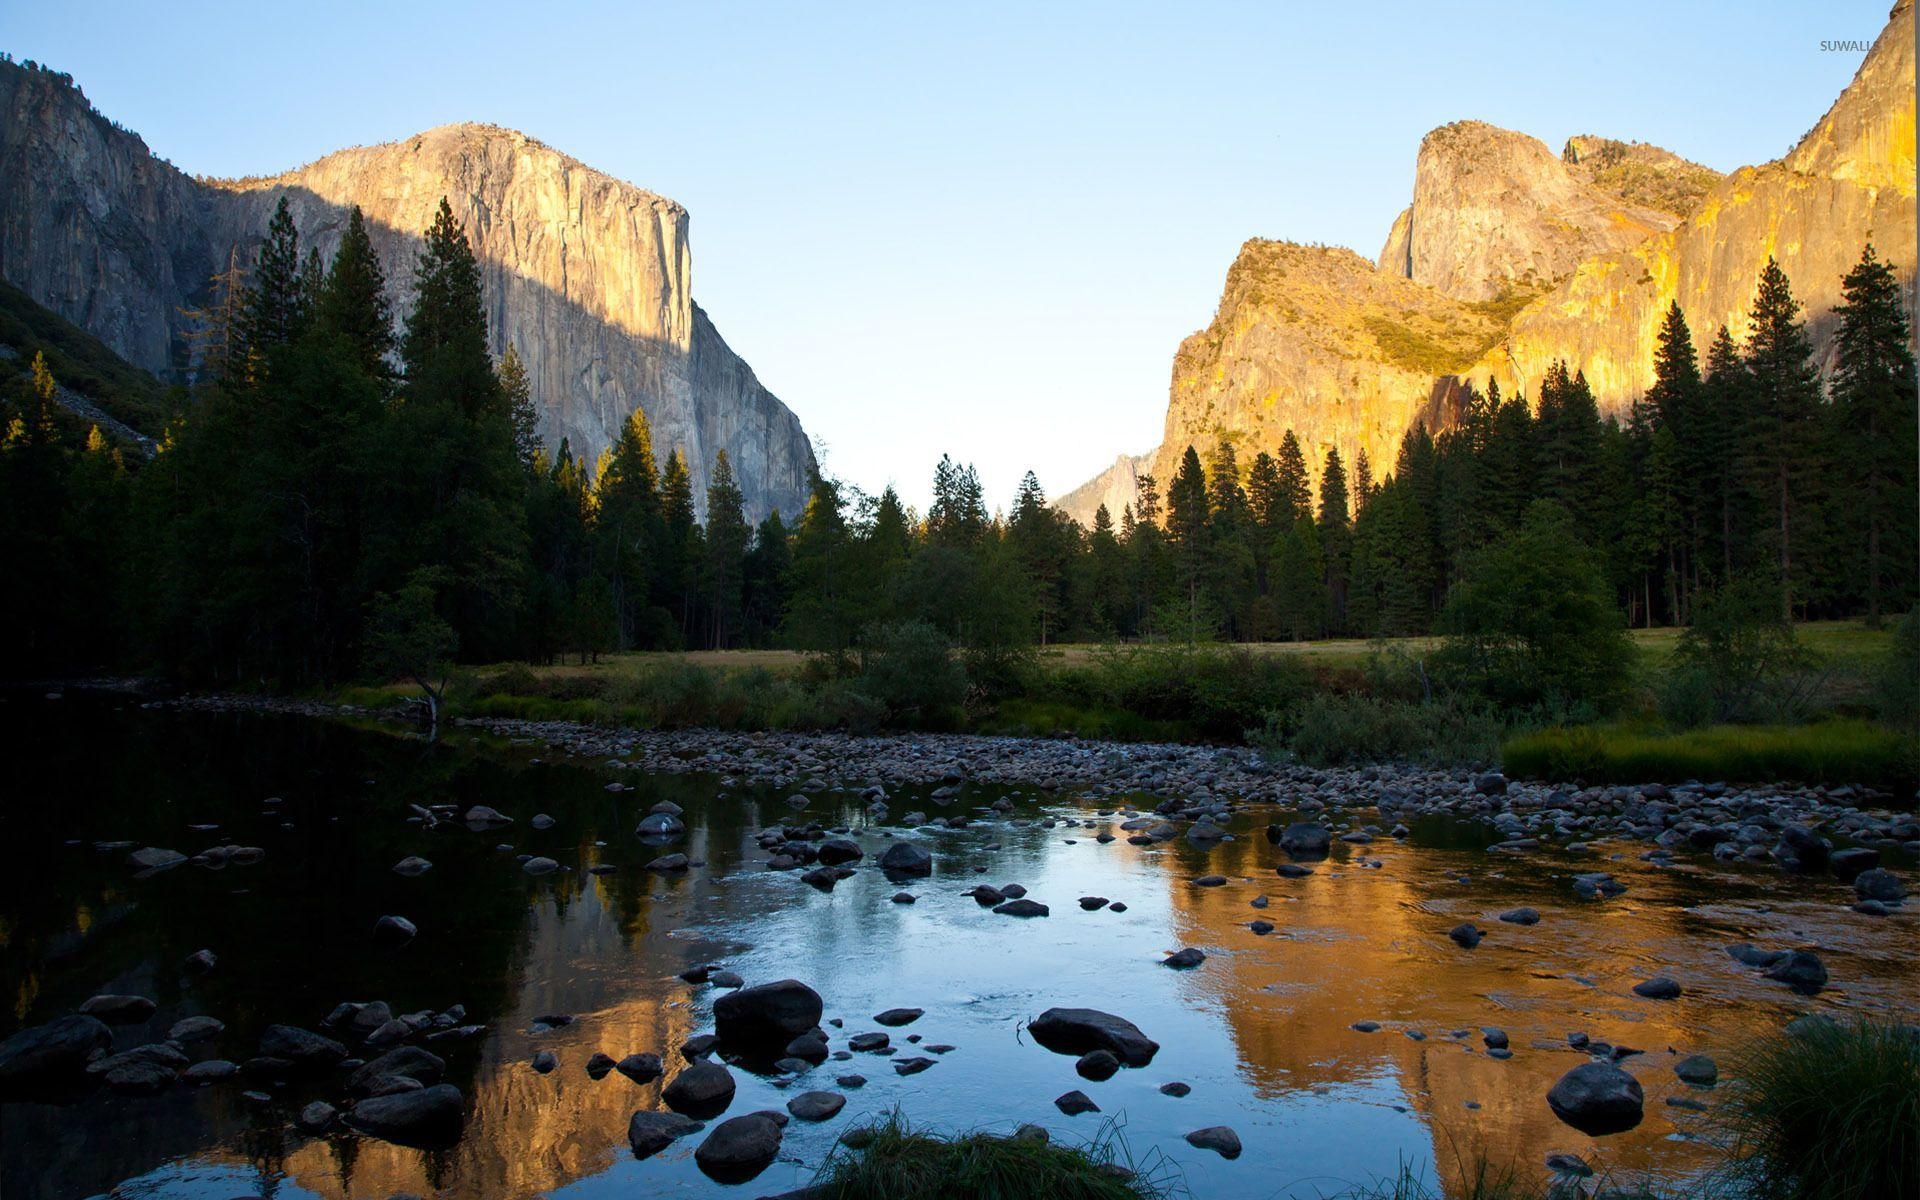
1829 1111
1534 621
889 1161
1898 692
1329 729
1739 661
910 669
1218 691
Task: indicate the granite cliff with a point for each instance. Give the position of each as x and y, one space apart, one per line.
588 277
1509 258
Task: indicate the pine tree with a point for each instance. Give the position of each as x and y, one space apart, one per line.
1265 498
1187 533
353 302
218 343
462 509
727 539
958 518
1725 413
1786 407
1674 403
1296 487
518 390
1336 536
626 492
1873 390
276 309
677 558
1362 481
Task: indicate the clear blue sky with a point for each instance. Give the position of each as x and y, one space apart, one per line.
973 228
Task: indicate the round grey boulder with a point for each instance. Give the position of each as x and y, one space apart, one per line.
1598 1099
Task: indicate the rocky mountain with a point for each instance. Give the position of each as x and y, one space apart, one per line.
588 277
1509 258
1494 211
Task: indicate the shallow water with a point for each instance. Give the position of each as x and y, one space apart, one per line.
1261 1030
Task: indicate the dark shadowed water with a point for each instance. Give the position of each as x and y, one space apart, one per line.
1261 1030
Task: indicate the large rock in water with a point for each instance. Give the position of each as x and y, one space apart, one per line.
767 1014
1076 1031
587 277
426 1117
648 1133
1597 1099
46 1056
303 1048
740 1148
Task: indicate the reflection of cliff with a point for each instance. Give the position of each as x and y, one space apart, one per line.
528 1133
1355 944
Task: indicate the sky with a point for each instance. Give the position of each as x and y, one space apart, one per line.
978 229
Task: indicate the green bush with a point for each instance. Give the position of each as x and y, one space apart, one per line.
890 1161
1898 692
1740 661
1215 691
1829 1111
910 669
1330 729
1534 622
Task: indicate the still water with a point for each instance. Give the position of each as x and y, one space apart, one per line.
1261 1031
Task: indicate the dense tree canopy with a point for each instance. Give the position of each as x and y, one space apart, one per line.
327 482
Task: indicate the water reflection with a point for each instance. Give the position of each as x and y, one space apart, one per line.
1261 1031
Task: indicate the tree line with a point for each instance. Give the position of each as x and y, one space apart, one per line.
332 500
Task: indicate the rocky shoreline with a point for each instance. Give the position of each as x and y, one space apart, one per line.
1794 826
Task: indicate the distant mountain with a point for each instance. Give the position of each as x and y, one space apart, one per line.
1509 258
588 277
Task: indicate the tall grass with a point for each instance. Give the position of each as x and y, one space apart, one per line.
1832 752
1832 1113
892 1161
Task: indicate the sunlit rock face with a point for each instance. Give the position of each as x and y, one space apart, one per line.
1314 339
1849 181
1510 258
587 277
1494 210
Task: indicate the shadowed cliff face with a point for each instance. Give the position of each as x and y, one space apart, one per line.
589 278
1540 258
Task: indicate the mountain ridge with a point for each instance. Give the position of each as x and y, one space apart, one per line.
1848 179
587 276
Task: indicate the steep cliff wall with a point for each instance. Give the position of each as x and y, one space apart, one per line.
589 278
1314 339
1850 180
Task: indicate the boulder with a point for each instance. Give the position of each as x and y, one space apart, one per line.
1800 970
1075 1102
651 1132
1076 1031
1217 1138
767 1014
1302 839
1598 1099
701 1090
1879 884
1022 907
641 1068
738 1149
430 1117
118 1010
905 858
1801 849
816 1106
1660 987
306 1050
660 826
409 1062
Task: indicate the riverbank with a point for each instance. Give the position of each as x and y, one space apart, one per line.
1359 802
